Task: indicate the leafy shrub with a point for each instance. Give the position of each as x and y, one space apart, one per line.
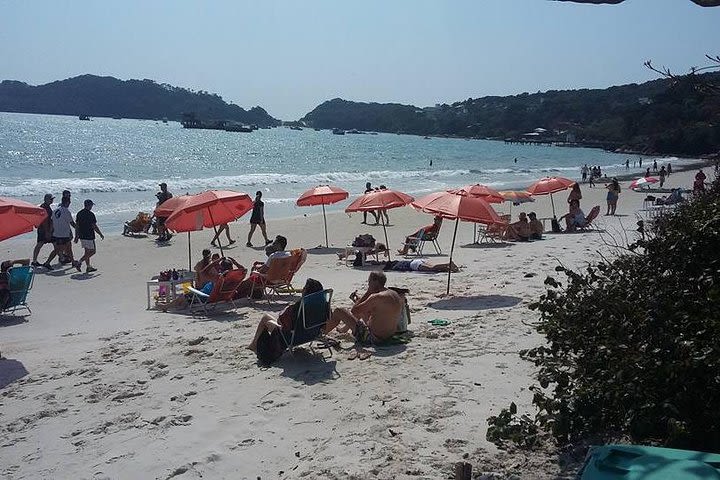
632 344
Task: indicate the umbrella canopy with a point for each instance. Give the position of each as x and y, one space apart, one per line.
643 182
457 207
380 200
517 196
18 217
488 194
322 195
550 185
209 209
170 205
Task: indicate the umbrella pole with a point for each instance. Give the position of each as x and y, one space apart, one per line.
387 244
189 254
553 204
452 249
327 245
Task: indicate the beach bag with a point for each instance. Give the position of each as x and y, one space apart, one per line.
555 225
270 347
358 262
365 240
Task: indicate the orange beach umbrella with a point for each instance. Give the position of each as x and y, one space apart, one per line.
516 197
208 210
322 195
550 185
457 207
380 200
488 194
167 208
18 217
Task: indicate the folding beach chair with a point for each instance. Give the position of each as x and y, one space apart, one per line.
493 233
309 324
20 281
224 291
416 244
590 218
278 278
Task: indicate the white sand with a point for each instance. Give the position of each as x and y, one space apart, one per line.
94 386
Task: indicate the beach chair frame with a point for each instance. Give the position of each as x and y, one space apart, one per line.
25 276
417 244
224 291
278 279
493 233
590 219
308 319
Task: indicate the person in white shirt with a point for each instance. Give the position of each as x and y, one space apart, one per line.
62 228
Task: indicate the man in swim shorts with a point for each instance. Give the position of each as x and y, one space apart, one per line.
375 315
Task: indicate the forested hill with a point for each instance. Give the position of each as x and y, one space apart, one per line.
109 97
658 116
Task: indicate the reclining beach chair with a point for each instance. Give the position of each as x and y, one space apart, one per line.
590 218
20 281
278 278
309 324
223 291
493 233
416 244
137 225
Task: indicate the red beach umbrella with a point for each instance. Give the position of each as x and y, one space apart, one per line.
550 185
488 194
380 200
18 217
457 207
322 195
208 210
170 205
516 197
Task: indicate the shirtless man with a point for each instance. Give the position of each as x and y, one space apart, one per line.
207 269
374 317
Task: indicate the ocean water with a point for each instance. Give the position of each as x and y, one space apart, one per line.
119 163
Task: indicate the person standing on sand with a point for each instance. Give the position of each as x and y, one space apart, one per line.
163 196
223 228
662 176
647 172
669 169
383 211
584 172
85 233
44 230
257 219
368 189
655 166
627 164
612 196
575 193
640 162
63 226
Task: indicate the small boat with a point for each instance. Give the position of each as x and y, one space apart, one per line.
427 138
235 127
355 131
295 127
338 131
83 117
164 120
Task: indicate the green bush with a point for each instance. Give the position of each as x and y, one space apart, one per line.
633 343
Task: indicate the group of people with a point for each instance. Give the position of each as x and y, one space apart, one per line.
372 318
60 229
589 174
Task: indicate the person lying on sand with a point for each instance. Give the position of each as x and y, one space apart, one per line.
374 317
284 321
420 265
411 240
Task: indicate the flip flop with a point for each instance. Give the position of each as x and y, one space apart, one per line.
364 355
439 322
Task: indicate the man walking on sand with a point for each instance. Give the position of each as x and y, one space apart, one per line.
62 225
44 231
375 315
85 232
257 219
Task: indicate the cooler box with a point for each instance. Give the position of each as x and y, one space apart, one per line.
630 462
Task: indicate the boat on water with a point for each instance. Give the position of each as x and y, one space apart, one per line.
295 127
338 131
235 127
165 120
355 131
83 117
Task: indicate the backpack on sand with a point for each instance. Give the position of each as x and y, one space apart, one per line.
270 347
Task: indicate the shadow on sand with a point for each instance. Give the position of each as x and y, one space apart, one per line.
10 320
320 250
10 371
307 366
477 302
488 245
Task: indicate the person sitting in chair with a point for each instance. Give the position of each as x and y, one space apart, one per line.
411 241
374 316
575 218
520 230
285 320
5 280
536 227
277 251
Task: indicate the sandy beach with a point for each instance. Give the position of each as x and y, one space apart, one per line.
93 385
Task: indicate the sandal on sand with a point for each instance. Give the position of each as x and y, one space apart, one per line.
364 354
438 322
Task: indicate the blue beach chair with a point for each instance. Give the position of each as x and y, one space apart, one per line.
309 324
20 280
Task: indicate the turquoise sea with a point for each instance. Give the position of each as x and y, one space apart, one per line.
119 163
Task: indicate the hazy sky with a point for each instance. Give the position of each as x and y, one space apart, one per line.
289 56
